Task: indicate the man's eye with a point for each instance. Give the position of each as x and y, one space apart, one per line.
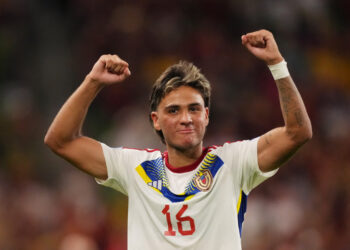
172 111
193 109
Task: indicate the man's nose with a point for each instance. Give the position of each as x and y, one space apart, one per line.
185 117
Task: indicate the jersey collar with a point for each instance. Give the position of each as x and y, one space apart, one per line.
187 168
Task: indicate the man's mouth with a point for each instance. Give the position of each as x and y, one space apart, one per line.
186 131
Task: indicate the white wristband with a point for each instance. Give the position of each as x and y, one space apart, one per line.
279 70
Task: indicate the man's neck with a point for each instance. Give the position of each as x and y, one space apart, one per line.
178 158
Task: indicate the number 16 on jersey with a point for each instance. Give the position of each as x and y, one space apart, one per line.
180 220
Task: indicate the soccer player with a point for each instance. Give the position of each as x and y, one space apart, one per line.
187 197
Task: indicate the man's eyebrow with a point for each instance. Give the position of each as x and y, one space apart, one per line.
172 106
178 105
195 104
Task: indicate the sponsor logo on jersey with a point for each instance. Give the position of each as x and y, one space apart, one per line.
156 184
204 181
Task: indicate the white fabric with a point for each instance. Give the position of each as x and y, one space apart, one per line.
212 212
179 181
279 70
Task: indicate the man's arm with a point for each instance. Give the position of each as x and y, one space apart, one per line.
278 145
64 135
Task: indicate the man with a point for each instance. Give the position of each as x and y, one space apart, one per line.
187 197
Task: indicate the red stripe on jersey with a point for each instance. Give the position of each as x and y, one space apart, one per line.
187 168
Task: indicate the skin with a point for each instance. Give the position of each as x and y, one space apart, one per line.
184 126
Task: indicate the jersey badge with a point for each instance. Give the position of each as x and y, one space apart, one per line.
204 181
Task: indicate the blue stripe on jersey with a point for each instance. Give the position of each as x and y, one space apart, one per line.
155 171
173 197
242 210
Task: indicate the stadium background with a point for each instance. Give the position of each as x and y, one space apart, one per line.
46 49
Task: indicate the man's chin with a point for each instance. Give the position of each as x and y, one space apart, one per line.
184 145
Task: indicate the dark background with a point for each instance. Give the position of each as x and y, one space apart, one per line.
47 48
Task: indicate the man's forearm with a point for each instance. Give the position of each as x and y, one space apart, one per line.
68 122
297 122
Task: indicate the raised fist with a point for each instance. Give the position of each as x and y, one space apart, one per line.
262 45
109 69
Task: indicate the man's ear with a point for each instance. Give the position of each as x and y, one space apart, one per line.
207 115
155 119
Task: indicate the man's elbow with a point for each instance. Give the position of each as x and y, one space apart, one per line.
52 142
307 131
301 135
305 136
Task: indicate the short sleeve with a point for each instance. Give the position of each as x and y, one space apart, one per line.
116 163
251 175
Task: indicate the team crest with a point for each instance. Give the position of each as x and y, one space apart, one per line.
204 181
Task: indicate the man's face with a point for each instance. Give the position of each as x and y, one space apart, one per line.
182 118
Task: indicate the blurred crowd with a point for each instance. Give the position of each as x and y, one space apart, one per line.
47 48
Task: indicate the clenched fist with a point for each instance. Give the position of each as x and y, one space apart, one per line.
262 45
109 69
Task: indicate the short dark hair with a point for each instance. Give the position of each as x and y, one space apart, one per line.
181 74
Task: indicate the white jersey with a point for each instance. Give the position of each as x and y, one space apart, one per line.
201 208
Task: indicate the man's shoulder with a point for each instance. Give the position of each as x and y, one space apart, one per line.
145 152
142 150
224 145
131 153
232 146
